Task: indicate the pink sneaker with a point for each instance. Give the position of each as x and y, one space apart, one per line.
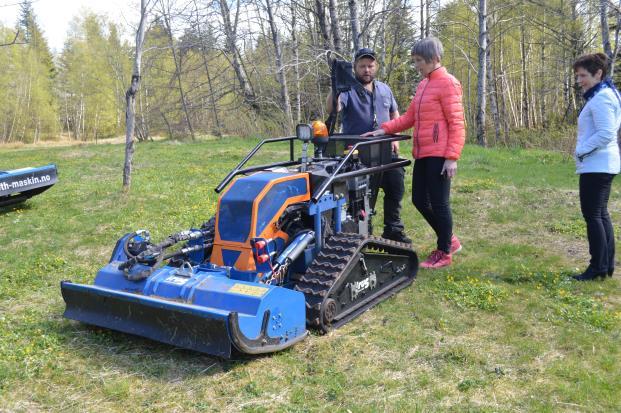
455 244
437 259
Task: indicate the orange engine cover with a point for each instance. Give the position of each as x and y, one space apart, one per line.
250 208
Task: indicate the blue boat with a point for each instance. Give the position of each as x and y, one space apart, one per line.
18 185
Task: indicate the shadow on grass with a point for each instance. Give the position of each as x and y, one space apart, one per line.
144 357
17 206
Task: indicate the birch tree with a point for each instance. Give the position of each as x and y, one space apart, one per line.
280 70
355 24
130 95
203 52
320 12
296 63
334 26
482 76
605 32
230 32
167 16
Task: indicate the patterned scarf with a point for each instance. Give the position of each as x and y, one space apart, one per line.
606 83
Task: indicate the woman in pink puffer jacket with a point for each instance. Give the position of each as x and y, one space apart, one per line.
436 115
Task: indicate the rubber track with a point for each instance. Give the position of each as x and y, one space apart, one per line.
329 266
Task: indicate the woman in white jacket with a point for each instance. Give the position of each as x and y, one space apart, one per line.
597 159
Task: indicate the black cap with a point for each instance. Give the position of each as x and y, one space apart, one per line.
364 52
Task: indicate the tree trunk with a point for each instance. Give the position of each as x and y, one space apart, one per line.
334 26
468 108
524 56
615 52
171 135
212 98
130 97
493 103
427 17
230 34
171 44
323 24
321 98
481 81
504 117
422 19
576 50
382 39
566 73
355 24
296 64
398 39
542 71
67 117
603 19
500 97
144 122
280 70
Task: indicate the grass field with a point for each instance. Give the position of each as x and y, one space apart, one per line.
501 330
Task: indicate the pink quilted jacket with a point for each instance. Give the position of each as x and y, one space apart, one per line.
437 114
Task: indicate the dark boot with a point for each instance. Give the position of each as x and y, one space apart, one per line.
589 275
396 235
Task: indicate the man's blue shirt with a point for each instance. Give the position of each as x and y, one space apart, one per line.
359 115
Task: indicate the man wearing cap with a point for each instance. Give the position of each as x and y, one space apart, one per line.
363 108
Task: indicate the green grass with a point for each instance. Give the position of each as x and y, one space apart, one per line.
501 330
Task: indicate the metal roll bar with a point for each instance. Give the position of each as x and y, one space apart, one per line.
367 171
334 177
236 171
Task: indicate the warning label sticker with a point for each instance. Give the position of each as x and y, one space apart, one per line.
248 290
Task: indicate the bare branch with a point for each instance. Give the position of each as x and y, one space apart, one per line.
14 40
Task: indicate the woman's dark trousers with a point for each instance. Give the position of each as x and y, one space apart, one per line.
594 194
430 195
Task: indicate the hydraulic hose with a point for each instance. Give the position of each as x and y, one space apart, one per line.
290 254
296 247
154 254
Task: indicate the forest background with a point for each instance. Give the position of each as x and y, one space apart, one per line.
258 67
